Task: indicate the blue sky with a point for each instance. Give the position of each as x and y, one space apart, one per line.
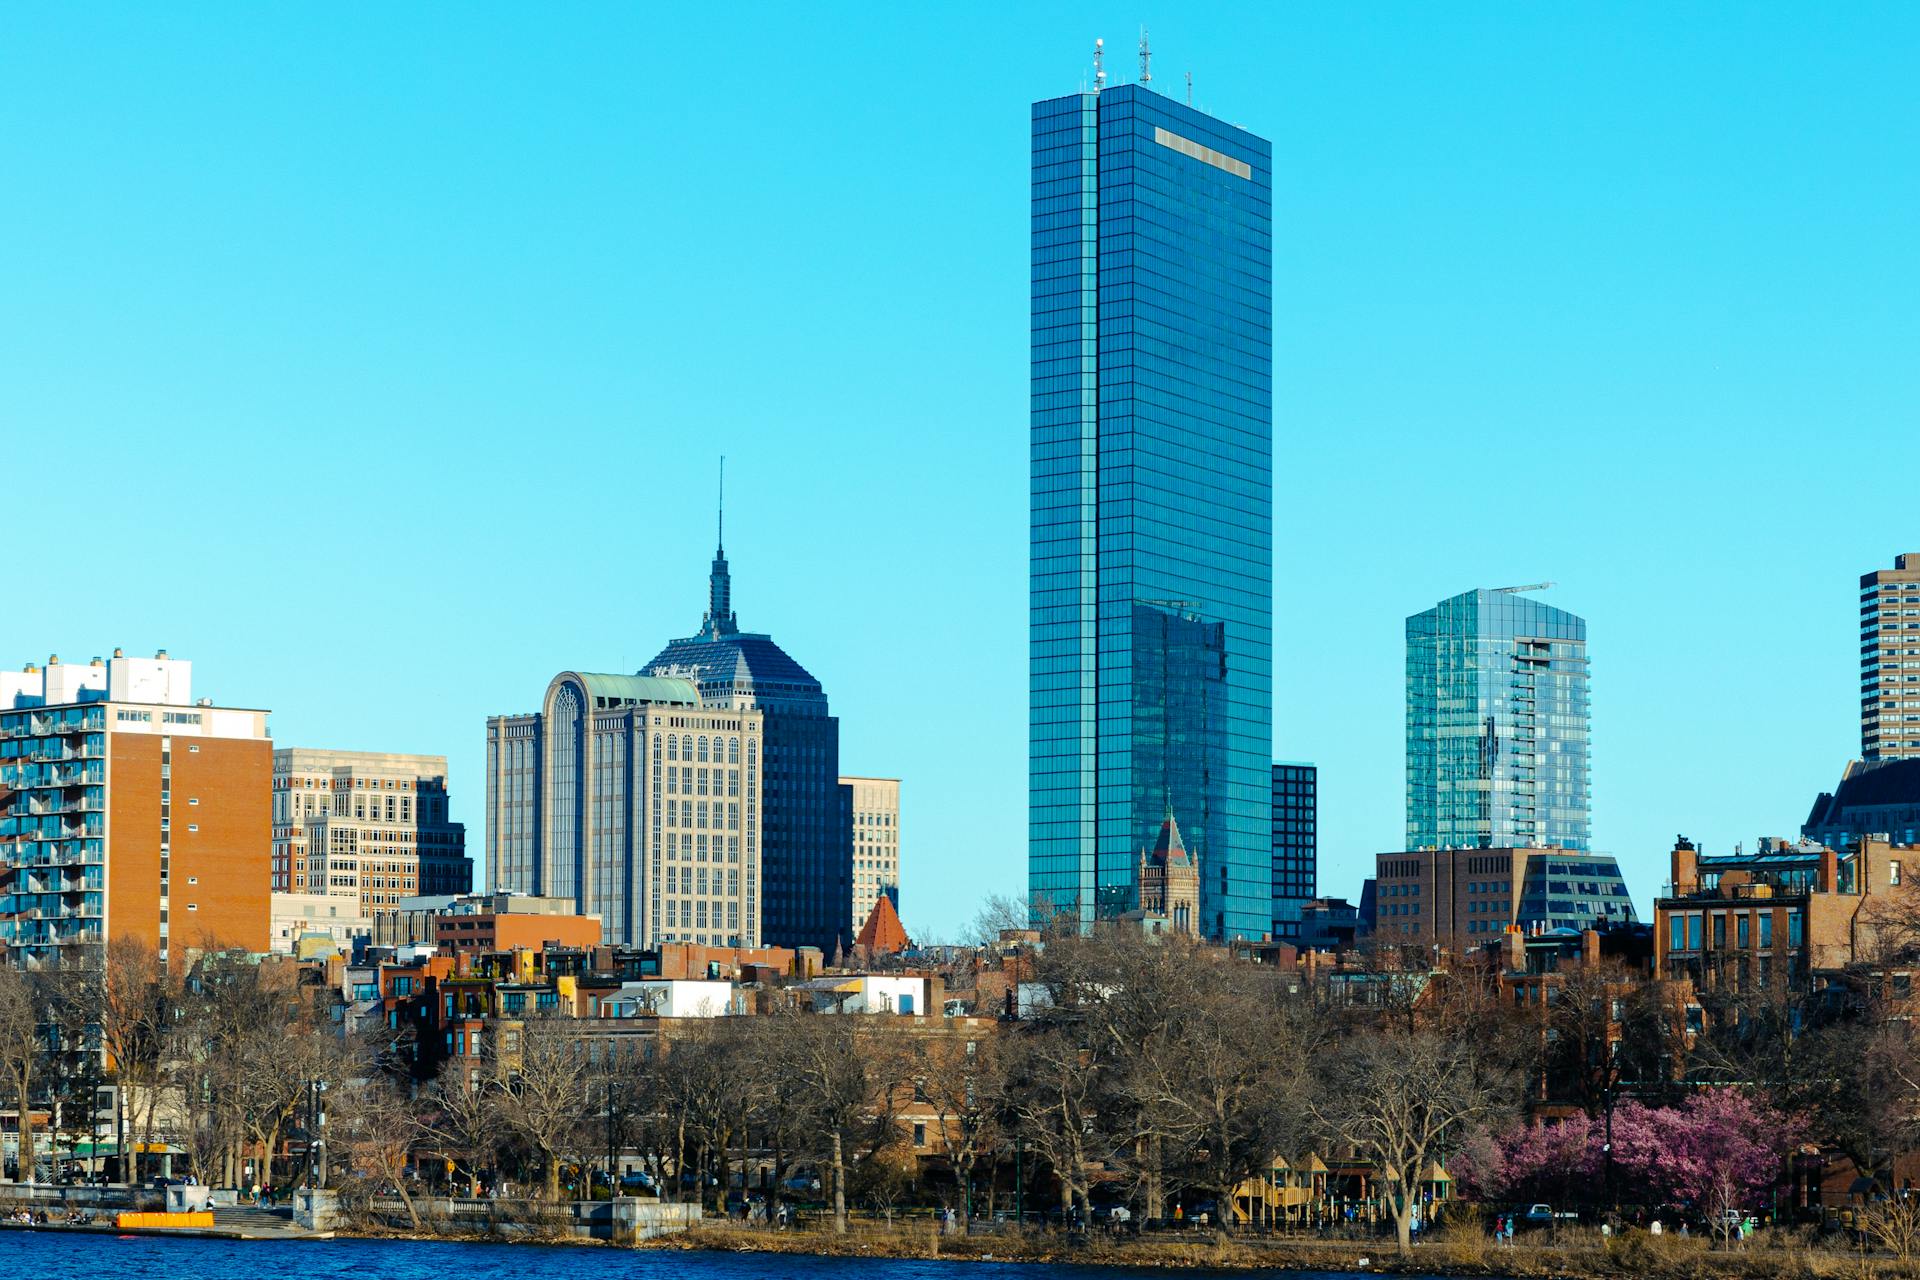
377 359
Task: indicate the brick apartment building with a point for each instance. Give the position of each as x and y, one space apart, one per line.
1463 898
129 809
1789 911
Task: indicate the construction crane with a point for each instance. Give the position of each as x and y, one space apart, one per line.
1531 586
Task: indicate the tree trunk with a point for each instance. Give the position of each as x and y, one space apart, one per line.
1403 1224
23 1084
553 1176
679 1156
148 1118
406 1201
839 1187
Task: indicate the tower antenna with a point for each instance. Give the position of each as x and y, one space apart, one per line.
1099 64
721 540
1146 54
1189 88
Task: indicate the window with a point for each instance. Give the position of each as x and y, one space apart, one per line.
1893 871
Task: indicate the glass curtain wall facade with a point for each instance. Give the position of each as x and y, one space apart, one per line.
1497 724
1569 891
1152 504
1296 864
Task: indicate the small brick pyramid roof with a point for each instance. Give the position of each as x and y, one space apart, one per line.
882 931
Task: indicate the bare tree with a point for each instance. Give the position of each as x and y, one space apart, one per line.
378 1128
542 1080
462 1122
251 1046
1400 1099
20 1052
1053 1097
842 1069
998 914
1894 1224
961 1080
138 999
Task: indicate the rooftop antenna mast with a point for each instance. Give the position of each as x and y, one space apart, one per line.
1189 88
721 540
1146 55
1099 65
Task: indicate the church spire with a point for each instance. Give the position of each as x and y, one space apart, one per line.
719 620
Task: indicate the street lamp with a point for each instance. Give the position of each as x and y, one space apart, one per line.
316 1140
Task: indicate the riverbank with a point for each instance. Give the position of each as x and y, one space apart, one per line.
1577 1255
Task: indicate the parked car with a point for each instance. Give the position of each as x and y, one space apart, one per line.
1542 1215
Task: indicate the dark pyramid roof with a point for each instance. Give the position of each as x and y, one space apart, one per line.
737 660
1169 846
722 658
1896 782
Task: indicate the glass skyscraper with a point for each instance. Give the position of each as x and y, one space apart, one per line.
1152 504
1497 724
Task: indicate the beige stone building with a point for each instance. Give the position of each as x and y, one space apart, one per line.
296 916
1890 661
1169 880
636 801
874 807
367 826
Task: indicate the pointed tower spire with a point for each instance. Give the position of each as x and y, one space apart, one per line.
719 620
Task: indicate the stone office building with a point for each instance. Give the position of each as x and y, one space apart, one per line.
367 826
873 816
636 800
807 849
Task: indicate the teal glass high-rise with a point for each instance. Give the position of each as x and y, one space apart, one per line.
1152 504
1497 724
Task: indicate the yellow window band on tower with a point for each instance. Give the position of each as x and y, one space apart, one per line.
1206 155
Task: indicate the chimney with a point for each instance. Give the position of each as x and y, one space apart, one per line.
1686 867
1516 948
1590 948
1829 871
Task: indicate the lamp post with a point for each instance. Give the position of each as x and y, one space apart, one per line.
1019 1184
612 1177
316 1138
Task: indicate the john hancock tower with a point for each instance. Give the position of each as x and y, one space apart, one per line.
1150 671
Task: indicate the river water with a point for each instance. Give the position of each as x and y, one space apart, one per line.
51 1255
